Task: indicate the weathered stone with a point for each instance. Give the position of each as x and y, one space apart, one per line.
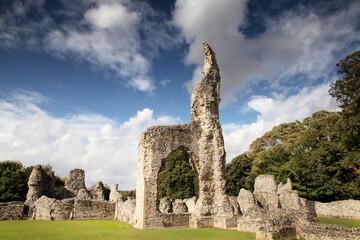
246 201
35 184
289 199
202 139
190 204
13 211
165 205
53 209
98 192
39 184
235 205
349 209
126 210
83 194
85 209
114 193
179 206
74 182
265 192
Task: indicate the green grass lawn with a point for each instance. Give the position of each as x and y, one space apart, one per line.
102 229
338 221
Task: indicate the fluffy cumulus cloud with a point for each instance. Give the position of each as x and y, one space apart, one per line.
302 41
273 111
104 148
120 35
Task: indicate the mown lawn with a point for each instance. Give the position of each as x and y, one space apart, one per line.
104 230
338 221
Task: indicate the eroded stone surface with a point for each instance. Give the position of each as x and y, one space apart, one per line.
40 183
202 139
114 193
179 206
165 205
190 204
265 192
98 192
74 182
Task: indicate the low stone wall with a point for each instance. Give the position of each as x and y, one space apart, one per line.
85 209
349 209
162 220
53 209
12 211
329 232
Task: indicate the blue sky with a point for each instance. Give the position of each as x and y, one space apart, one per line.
80 81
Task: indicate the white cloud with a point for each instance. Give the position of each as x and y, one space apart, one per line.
274 111
300 41
115 15
104 148
120 36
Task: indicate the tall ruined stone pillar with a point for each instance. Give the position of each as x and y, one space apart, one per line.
202 139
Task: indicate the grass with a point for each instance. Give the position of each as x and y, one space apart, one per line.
338 221
104 230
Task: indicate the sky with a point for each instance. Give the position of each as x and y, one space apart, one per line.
81 80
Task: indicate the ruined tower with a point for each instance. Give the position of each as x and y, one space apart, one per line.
202 139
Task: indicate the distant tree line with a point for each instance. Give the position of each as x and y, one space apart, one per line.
321 154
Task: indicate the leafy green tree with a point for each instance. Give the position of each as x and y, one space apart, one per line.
347 93
13 182
237 174
176 177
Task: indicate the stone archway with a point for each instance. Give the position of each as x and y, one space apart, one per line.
203 139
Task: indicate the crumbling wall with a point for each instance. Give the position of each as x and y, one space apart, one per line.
84 209
114 193
74 183
329 232
268 213
202 139
349 209
125 211
40 183
98 192
13 211
53 209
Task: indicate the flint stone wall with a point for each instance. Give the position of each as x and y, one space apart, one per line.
125 211
114 193
84 209
13 211
202 139
349 209
329 232
74 183
40 183
65 209
53 209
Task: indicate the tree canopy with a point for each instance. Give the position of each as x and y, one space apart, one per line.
321 154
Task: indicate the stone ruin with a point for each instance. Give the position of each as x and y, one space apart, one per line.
272 211
76 202
202 139
277 212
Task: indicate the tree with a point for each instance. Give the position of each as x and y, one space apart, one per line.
176 177
347 92
237 174
13 181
